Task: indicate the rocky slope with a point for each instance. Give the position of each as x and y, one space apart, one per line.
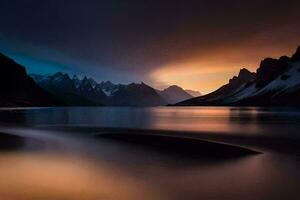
18 89
87 91
275 83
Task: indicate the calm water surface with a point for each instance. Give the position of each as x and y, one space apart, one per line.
210 119
55 165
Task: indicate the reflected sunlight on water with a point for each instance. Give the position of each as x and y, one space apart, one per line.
52 176
250 120
66 166
46 176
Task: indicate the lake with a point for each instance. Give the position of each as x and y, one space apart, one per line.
55 153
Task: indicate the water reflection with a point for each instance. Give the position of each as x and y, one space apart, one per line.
145 175
47 176
72 168
232 120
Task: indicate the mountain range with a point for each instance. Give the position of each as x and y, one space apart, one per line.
87 92
17 88
275 83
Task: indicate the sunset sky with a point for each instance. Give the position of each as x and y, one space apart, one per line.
196 44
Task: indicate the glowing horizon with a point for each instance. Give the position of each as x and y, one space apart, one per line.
197 45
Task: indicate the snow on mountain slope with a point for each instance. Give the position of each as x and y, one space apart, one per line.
109 88
93 83
287 81
110 92
194 93
77 81
275 83
245 92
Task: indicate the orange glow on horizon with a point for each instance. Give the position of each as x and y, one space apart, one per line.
208 72
189 77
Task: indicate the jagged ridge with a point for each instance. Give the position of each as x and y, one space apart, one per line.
275 83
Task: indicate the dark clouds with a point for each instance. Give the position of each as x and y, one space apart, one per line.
137 37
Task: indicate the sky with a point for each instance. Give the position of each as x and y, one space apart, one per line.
197 45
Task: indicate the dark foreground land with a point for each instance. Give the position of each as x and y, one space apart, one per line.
192 142
190 147
162 141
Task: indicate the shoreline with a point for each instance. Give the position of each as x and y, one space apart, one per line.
282 145
184 146
167 144
254 143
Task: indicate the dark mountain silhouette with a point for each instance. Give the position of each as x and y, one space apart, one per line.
136 95
174 94
269 70
63 87
296 56
87 92
18 89
217 97
276 83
